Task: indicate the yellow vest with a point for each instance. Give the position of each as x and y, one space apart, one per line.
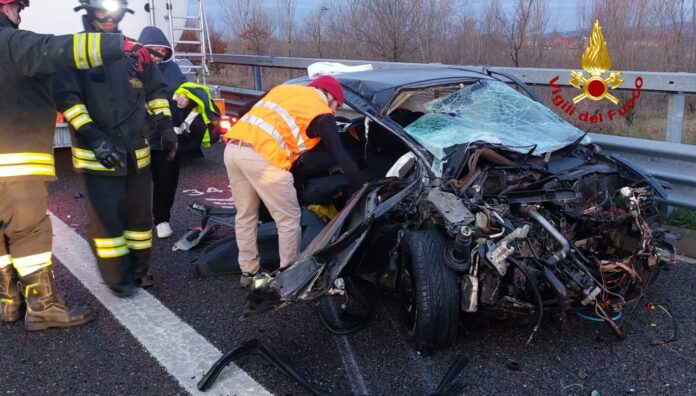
276 126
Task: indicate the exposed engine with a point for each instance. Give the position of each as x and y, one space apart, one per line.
533 236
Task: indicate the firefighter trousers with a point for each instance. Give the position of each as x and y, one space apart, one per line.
25 229
120 224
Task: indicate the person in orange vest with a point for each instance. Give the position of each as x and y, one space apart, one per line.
272 134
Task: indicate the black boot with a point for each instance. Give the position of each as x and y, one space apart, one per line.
10 299
45 309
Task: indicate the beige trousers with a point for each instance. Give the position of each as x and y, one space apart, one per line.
254 179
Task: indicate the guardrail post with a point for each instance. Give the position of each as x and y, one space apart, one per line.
675 118
258 81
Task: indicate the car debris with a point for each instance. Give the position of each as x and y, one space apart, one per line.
495 208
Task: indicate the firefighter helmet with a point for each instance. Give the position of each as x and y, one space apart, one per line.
22 3
116 8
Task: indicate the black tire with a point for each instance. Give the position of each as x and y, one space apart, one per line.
428 291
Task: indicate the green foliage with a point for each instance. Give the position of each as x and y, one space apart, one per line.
683 218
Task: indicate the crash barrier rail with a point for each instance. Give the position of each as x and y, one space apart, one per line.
668 161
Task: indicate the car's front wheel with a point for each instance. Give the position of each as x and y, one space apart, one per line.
428 291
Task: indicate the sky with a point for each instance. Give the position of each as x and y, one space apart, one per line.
562 12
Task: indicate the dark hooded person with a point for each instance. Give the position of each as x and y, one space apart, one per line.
27 62
194 116
108 110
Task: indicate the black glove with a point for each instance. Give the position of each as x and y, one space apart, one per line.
107 153
170 142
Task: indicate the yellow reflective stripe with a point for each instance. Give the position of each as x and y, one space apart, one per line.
142 153
112 252
74 111
27 170
138 235
110 242
162 110
83 154
26 158
147 108
155 103
79 51
41 258
80 121
140 245
82 164
95 49
143 157
142 163
5 260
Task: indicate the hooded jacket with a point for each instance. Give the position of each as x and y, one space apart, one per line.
116 100
27 111
198 95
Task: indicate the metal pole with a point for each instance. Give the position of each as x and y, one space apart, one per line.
170 18
675 118
152 13
258 79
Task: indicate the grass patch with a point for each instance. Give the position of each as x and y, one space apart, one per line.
681 217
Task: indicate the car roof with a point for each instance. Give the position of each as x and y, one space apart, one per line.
379 86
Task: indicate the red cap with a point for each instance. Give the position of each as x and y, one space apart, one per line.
22 3
331 85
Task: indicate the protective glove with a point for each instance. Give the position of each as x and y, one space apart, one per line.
106 152
169 142
109 155
139 53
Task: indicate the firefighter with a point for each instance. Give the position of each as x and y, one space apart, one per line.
108 109
272 134
27 126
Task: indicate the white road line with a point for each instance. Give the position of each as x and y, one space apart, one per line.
184 353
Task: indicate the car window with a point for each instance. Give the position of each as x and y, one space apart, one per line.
494 112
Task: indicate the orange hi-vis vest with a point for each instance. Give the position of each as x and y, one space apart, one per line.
276 126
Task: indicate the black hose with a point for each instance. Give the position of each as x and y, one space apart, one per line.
537 294
556 284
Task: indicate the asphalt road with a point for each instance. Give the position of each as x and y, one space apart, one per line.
573 357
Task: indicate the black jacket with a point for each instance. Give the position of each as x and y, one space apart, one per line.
116 100
198 131
27 110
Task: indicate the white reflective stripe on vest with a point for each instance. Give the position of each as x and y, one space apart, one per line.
288 120
268 128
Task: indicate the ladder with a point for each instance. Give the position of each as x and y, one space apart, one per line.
198 24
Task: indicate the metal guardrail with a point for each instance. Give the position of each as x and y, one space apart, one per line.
669 161
676 84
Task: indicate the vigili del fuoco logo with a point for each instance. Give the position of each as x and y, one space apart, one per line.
596 62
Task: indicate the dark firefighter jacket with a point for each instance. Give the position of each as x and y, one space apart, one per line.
199 97
27 110
117 100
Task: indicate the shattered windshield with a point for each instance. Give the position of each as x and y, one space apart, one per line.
494 112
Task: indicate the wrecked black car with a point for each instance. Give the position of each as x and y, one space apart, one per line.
484 203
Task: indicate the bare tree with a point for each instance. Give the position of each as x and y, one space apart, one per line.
527 19
387 28
435 24
286 22
249 23
314 27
